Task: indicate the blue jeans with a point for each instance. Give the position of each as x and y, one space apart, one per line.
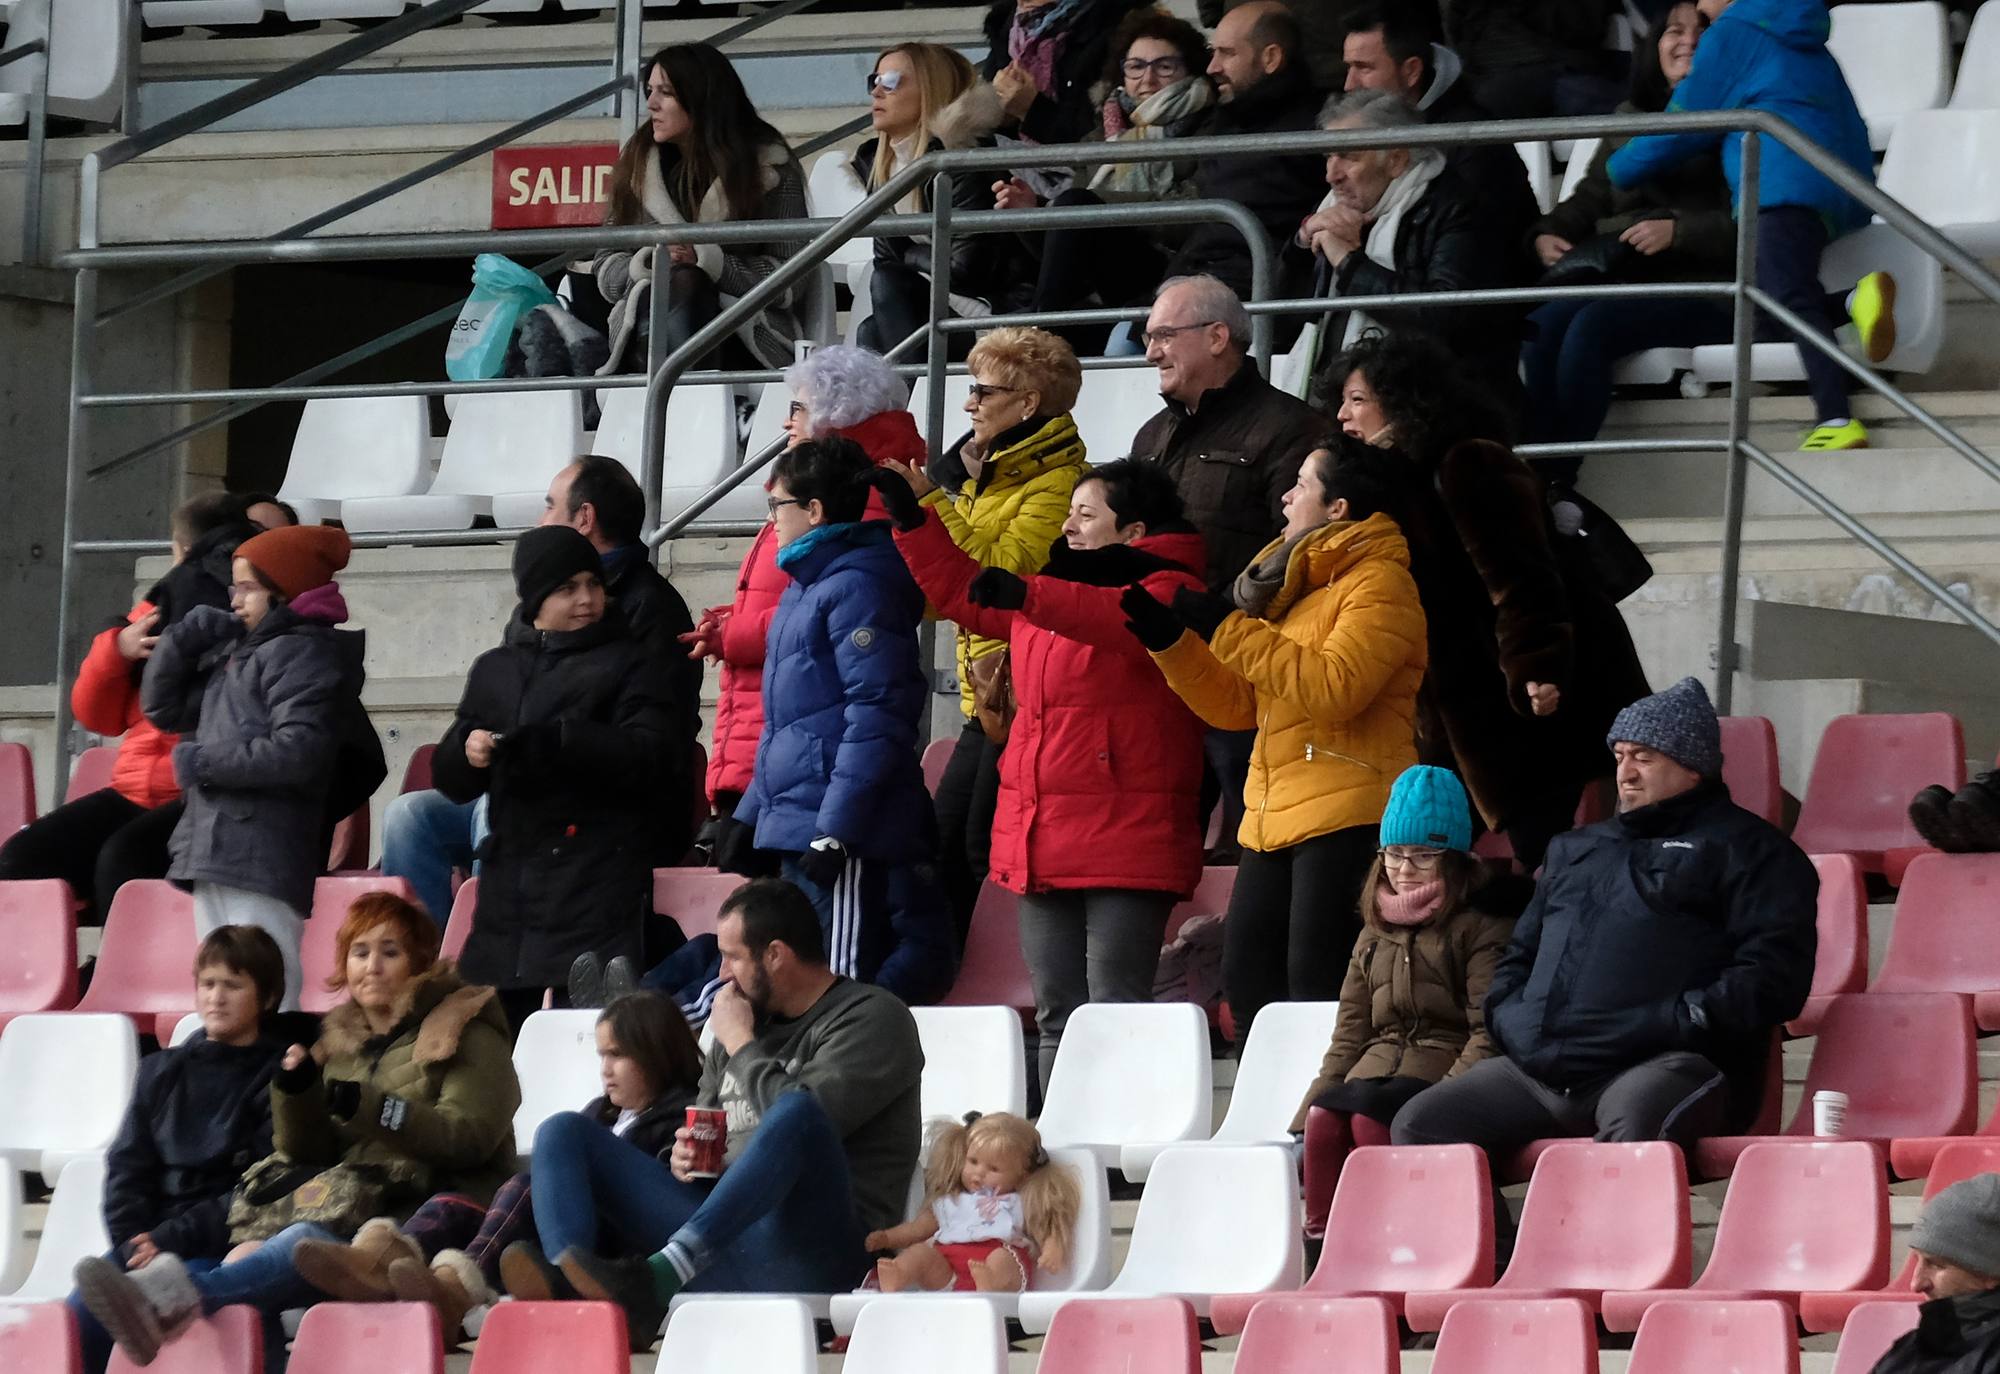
1568 361
425 835
779 1220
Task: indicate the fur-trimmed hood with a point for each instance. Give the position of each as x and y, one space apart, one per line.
441 1003
973 115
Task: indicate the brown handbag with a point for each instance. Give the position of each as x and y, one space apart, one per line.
992 682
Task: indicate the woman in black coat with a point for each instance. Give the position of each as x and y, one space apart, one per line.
1042 57
565 725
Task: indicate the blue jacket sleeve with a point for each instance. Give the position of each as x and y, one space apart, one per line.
1715 82
875 654
1517 961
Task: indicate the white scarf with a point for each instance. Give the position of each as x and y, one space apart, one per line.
1385 222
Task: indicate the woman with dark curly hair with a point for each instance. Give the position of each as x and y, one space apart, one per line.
1529 660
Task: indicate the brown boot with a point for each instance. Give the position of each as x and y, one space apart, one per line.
358 1272
452 1284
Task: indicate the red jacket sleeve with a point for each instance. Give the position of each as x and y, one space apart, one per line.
105 697
944 571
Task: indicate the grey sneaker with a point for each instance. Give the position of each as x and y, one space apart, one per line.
142 1309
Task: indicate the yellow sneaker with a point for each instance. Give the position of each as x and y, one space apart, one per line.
1853 434
1872 307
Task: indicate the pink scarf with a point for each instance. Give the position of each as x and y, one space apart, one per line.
1410 908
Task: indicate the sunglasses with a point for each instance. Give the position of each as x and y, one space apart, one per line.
983 392
886 81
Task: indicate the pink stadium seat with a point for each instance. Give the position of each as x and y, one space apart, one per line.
1950 1162
1922 1156
332 895
230 1342
1750 766
349 850
1592 806
1799 1217
417 772
1404 1219
17 788
936 755
1678 1336
1518 1336
1597 1217
1946 937
145 967
1866 771
92 771
1210 898
368 1338
38 956
1295 1333
1871 1329
1841 965
1866 1044
39 1336
536 1337
693 896
458 926
993 974
1158 1335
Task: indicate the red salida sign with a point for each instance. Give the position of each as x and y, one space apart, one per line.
541 188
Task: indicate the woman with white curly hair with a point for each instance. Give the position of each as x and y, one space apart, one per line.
840 390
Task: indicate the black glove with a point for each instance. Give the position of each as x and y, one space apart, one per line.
343 1098
897 497
736 849
297 1080
997 588
1202 611
1150 622
825 861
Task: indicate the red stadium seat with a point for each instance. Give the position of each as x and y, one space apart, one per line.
1841 965
1799 1217
1405 1218
1950 1162
536 1337
349 850
1519 1336
41 1337
38 957
1296 1333
1210 898
1946 937
936 755
1866 1043
368 1338
1922 1156
458 926
417 772
145 967
693 896
229 1342
1678 1336
332 895
1158 1335
993 973
17 788
1870 1331
92 771
1866 771
1597 1217
1750 766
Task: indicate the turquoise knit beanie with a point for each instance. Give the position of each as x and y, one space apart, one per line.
1427 808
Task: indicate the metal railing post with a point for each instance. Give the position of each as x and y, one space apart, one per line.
83 347
936 352
1743 337
128 102
654 454
38 141
631 107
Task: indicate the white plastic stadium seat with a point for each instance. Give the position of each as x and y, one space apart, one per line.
364 446
1978 85
1919 308
1088 1269
1580 155
974 1061
86 60
73 1229
1541 172
556 1062
500 444
701 447
183 1028
65 1078
14 1247
962 1333
767 422
342 9
1941 165
831 191
169 14
1111 408
956 389
769 1335
1130 1074
1896 58
1223 1220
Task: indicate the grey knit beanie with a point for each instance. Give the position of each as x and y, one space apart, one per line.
1961 1225
1679 723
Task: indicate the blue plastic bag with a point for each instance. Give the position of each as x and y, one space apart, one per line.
503 292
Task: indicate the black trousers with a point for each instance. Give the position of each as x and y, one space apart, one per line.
1499 1107
900 301
94 844
965 801
1293 918
1225 757
1116 266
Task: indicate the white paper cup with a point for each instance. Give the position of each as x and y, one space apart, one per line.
1829 1112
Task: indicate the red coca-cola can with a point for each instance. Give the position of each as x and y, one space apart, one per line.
708 1136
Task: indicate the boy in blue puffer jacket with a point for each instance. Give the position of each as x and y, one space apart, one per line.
837 791
1771 55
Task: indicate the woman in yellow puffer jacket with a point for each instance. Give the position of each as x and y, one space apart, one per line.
1003 492
1320 647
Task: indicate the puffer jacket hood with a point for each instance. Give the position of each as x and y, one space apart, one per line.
1799 24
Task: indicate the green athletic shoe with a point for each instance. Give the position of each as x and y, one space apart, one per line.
1826 438
1872 307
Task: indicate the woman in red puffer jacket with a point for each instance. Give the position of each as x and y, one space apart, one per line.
840 390
1098 824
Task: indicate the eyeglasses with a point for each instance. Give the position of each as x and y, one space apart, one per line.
1165 333
1166 68
771 503
887 81
1423 860
798 409
983 392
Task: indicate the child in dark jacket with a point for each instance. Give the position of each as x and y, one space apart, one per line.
200 1115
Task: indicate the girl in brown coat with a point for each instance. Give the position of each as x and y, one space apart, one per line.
1434 924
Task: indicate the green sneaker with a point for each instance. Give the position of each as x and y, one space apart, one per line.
1872 307
1853 434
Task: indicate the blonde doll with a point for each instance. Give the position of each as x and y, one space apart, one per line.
994 1207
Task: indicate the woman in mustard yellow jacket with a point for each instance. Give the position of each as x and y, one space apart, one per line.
1320 647
1003 493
